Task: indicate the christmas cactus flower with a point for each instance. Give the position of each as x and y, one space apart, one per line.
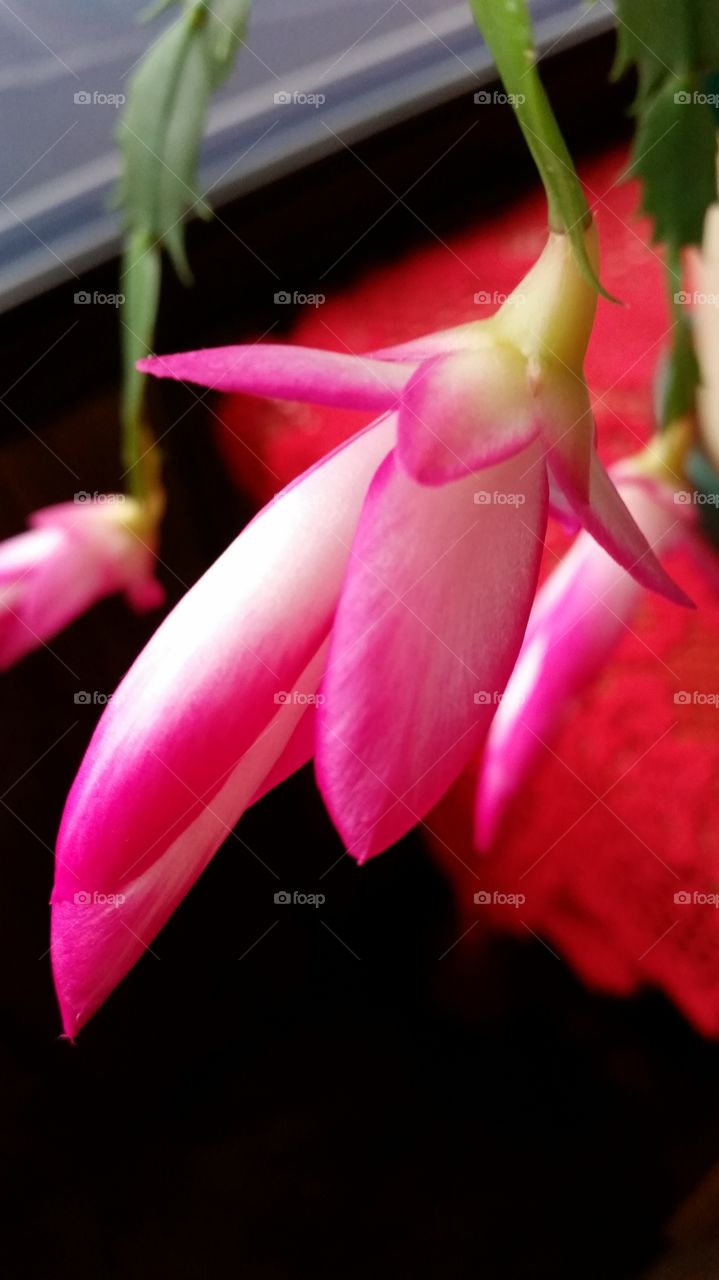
358 619
74 554
577 619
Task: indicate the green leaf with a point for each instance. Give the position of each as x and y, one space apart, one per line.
674 47
227 24
163 124
675 50
674 155
507 28
667 37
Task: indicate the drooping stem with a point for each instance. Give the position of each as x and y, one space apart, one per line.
507 28
160 136
140 280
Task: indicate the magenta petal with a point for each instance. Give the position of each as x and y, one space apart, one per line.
25 552
74 555
605 515
286 372
239 639
567 428
98 935
206 711
298 752
301 746
578 617
430 621
464 411
441 342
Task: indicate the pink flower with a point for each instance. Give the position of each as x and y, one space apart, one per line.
74 555
355 619
578 617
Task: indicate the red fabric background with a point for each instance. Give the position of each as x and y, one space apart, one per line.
619 815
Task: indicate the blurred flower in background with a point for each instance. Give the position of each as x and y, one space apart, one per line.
74 554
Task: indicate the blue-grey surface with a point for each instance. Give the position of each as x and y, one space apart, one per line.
63 67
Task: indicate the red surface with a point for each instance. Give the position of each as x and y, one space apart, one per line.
619 815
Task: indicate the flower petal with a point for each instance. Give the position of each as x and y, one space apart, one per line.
300 747
431 618
98 936
579 615
174 743
463 411
462 336
298 752
286 372
605 515
567 429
